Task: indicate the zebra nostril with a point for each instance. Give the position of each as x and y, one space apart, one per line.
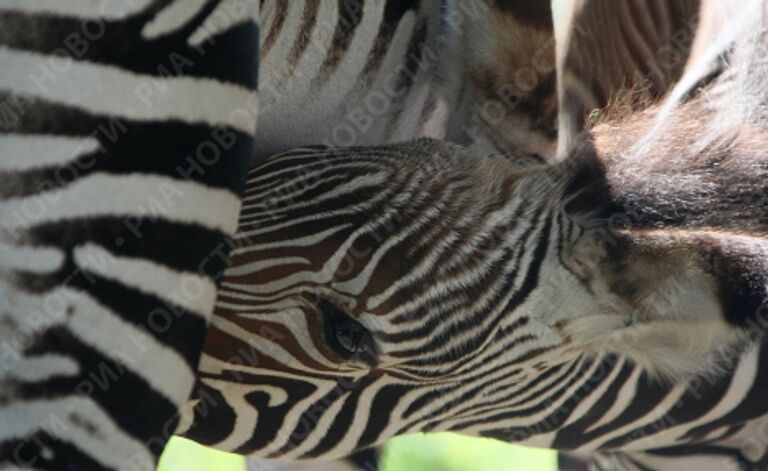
345 336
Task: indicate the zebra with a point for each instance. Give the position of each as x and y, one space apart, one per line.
126 129
133 79
365 73
33 32
125 72
60 62
611 302
476 72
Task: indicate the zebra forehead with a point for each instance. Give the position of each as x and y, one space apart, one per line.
357 220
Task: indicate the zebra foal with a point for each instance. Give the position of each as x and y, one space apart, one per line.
426 286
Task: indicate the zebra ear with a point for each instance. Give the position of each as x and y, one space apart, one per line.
628 52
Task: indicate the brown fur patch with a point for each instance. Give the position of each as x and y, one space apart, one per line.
512 74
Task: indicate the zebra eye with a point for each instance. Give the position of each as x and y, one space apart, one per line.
345 336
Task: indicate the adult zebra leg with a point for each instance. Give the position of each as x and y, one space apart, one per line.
125 133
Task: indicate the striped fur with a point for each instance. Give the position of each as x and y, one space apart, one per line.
493 296
635 50
493 258
492 363
348 72
351 72
125 134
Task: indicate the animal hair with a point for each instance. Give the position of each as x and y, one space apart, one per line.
689 177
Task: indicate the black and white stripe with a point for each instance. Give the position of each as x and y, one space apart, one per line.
453 299
126 129
489 310
475 281
349 72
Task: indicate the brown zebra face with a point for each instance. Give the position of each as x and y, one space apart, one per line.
375 292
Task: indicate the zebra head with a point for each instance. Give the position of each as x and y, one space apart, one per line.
376 291
417 286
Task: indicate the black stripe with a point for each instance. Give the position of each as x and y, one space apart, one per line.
380 408
555 419
182 151
271 418
752 406
688 408
281 13
367 460
350 16
449 251
214 419
344 418
120 43
574 434
523 395
109 383
393 14
171 325
46 452
651 393
708 79
308 20
520 295
515 300
203 250
310 418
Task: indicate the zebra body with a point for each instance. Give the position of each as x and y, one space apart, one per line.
124 140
